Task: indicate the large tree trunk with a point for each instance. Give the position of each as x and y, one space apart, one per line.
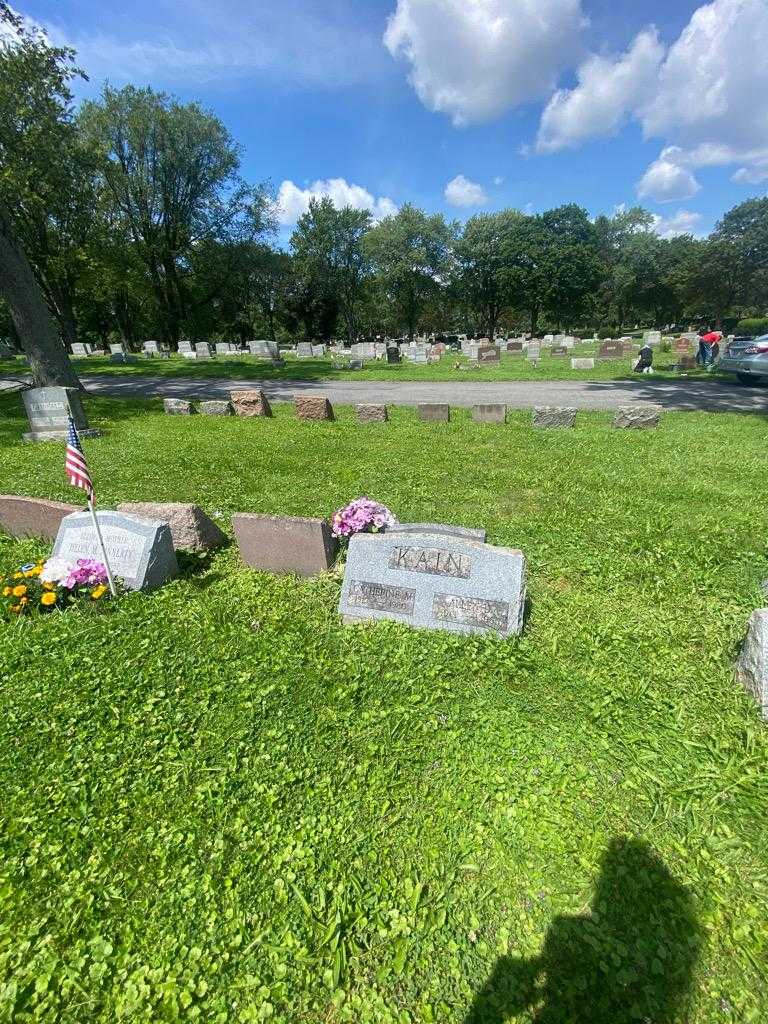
48 358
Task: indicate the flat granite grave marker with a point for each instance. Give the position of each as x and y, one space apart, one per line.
372 413
48 411
313 407
582 363
752 666
304 350
488 353
637 417
215 407
434 581
489 413
203 350
140 551
32 517
449 529
178 407
285 544
556 416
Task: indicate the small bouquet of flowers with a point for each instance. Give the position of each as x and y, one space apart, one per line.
363 515
55 584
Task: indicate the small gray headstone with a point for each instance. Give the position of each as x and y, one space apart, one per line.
752 666
304 350
553 416
583 363
140 551
48 411
434 581
215 407
203 350
79 351
318 351
637 417
533 352
489 413
178 407
434 411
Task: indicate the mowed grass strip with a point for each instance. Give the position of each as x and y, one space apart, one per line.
221 805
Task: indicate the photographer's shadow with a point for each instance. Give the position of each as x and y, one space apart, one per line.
629 959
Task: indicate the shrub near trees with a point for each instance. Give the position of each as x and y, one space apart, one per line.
129 219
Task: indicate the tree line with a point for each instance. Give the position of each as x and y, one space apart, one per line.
128 218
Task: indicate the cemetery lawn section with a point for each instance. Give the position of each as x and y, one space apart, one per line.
219 804
508 368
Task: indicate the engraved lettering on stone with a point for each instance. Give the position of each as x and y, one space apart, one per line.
124 549
381 597
474 611
436 561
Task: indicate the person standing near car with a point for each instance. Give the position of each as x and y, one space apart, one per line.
711 344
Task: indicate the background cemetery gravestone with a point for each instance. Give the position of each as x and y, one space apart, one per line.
285 544
48 411
637 417
191 529
393 357
304 350
318 351
451 530
559 351
514 346
178 407
140 551
582 363
611 350
203 350
489 413
435 581
686 362
554 416
488 353
215 407
682 345
652 338
372 413
437 412
533 352
80 351
32 517
313 407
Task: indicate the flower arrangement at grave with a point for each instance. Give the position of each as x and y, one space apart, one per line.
363 515
53 585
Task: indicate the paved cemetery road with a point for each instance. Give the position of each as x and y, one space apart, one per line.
712 395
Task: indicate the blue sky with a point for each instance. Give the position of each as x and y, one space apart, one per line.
460 105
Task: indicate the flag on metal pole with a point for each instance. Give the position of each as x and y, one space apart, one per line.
76 468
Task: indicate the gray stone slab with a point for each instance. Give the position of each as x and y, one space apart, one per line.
202 350
582 363
554 416
752 666
489 413
140 551
434 581
637 417
48 411
370 413
178 407
304 350
215 407
191 528
285 544
434 411
448 529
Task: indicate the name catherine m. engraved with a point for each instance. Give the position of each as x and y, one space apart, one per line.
436 561
381 597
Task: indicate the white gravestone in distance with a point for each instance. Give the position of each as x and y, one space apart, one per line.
140 551
304 350
48 411
434 580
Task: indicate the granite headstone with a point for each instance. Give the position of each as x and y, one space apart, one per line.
48 411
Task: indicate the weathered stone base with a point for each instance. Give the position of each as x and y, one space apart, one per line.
313 407
489 413
215 407
251 402
178 407
637 417
372 414
191 528
435 412
58 435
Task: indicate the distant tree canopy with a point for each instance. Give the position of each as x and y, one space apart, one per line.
128 219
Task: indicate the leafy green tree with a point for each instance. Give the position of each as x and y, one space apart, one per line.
411 253
36 127
486 257
170 175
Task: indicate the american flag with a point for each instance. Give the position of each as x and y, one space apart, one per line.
75 465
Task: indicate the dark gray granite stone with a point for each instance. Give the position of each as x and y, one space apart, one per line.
752 666
637 417
48 411
140 551
434 580
434 412
553 416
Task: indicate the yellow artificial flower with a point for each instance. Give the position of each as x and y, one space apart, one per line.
7 591
18 575
19 591
24 600
49 586
48 598
34 571
100 591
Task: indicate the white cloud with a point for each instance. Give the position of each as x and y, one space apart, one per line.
498 180
684 222
607 92
666 180
460 191
293 201
475 59
704 96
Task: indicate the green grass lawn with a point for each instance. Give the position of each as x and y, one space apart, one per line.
509 368
218 804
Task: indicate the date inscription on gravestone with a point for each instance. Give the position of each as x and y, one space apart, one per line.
381 597
473 611
432 560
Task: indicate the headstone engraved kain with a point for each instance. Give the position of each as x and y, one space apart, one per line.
434 579
140 551
48 412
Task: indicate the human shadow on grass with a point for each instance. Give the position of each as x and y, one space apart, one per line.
629 958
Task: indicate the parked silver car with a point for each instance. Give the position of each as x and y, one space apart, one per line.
747 358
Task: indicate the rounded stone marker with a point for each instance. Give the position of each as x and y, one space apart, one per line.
637 417
313 407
